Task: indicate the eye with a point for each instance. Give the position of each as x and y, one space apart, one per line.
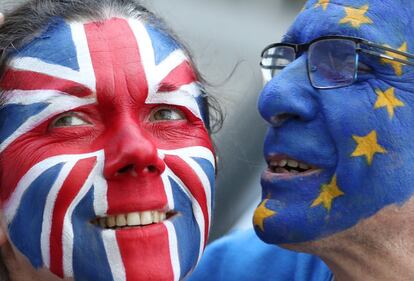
363 68
166 114
68 120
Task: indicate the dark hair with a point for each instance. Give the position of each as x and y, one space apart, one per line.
26 21
22 24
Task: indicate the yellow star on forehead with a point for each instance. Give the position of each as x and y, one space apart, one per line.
328 193
356 16
367 146
322 3
397 66
387 99
261 213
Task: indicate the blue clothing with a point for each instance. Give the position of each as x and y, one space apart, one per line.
242 256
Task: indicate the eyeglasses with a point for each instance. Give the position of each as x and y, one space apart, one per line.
332 61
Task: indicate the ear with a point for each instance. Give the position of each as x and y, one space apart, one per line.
3 237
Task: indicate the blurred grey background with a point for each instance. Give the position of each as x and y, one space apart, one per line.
226 38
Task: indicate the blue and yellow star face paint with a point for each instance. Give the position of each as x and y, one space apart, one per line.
358 140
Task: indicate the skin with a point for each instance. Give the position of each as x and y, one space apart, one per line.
362 232
142 144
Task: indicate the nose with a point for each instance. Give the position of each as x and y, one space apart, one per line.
288 95
129 150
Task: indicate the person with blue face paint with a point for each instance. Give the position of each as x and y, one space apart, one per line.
339 148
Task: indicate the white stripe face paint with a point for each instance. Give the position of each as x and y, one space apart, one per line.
85 75
48 213
12 204
68 233
57 103
114 255
172 238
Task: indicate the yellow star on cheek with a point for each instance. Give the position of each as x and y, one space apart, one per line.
322 3
397 66
367 146
356 16
261 213
387 99
328 193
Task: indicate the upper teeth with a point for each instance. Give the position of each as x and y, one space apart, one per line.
131 219
289 163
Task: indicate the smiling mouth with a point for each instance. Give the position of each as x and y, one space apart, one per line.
288 166
133 219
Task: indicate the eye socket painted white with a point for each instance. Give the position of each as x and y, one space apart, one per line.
68 119
166 113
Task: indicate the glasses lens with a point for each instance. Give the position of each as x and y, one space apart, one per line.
276 58
332 63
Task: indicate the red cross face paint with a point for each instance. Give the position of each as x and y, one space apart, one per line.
104 155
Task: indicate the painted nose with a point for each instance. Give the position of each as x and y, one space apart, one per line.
131 151
288 95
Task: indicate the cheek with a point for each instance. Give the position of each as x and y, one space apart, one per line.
35 146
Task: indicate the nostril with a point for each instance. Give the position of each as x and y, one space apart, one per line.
126 169
151 169
279 119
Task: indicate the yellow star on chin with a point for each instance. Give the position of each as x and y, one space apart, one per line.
387 99
322 3
261 213
328 193
367 146
397 66
356 16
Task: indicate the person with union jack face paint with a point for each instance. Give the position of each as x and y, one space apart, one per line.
107 168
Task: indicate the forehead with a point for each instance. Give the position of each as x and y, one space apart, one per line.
129 58
58 43
77 51
382 21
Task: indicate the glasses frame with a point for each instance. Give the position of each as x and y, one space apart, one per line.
361 45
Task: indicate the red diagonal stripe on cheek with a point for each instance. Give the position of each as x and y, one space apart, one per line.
70 188
193 183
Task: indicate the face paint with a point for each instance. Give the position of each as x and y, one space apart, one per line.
357 139
103 126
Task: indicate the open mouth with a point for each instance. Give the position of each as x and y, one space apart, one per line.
133 219
288 166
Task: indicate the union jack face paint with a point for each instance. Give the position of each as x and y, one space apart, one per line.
104 119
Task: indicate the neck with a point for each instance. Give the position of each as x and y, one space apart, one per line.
378 248
19 268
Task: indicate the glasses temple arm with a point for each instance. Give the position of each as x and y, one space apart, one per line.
405 54
384 56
